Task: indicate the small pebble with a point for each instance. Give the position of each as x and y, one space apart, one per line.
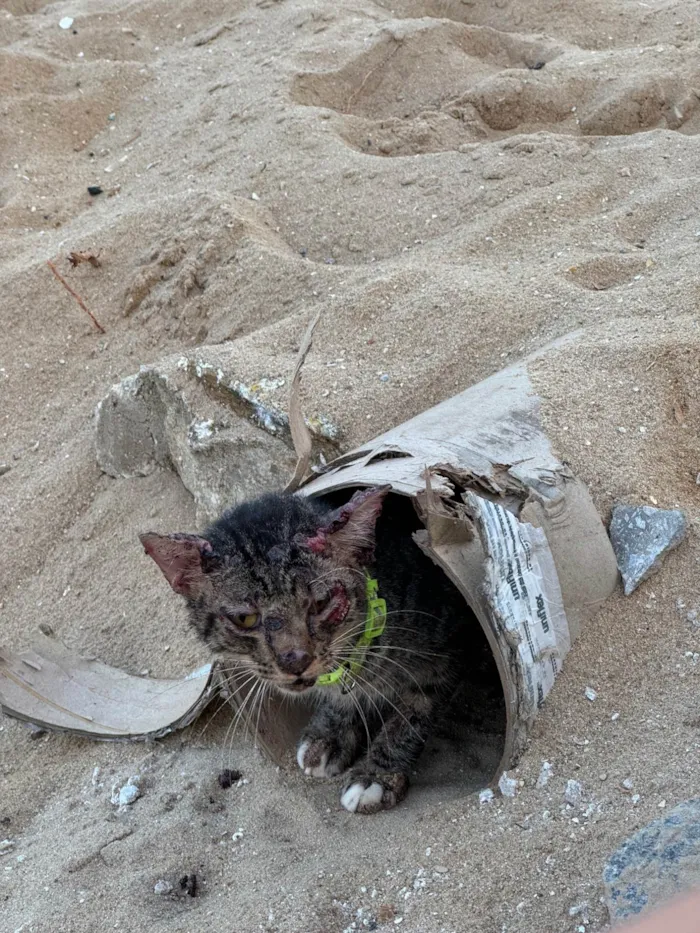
573 792
628 784
590 694
94 190
508 786
6 845
162 887
128 794
486 796
66 22
544 775
4 468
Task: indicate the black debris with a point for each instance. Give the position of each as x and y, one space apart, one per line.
228 777
188 885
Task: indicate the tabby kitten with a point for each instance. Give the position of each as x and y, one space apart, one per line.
279 586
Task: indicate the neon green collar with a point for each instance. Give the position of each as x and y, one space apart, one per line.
374 626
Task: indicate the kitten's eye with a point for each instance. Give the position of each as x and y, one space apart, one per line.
244 620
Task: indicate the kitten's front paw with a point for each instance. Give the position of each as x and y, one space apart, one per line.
369 792
318 758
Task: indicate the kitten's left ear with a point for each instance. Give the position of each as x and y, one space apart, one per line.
349 535
184 559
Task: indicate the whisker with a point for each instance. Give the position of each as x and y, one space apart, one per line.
414 651
249 716
225 700
373 664
417 612
236 719
264 697
358 707
387 700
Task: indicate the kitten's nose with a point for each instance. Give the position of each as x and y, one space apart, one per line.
295 661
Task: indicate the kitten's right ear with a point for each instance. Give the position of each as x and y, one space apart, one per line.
184 560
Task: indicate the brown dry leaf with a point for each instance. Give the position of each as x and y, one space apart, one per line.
77 256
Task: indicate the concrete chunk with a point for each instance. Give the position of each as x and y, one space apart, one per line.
641 536
227 440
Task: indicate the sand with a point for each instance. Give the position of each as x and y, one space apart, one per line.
456 184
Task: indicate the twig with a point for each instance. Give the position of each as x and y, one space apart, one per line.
77 297
301 436
133 139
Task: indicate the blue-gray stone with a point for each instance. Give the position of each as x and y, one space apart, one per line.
658 861
641 536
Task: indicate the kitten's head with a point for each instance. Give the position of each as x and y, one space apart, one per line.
277 583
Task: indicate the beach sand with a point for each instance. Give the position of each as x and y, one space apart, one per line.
456 184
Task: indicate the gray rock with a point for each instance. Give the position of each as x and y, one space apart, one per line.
128 794
641 536
227 440
659 860
573 793
4 468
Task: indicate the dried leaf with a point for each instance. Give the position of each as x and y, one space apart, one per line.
76 257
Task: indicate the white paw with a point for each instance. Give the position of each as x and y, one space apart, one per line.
358 795
320 770
301 753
